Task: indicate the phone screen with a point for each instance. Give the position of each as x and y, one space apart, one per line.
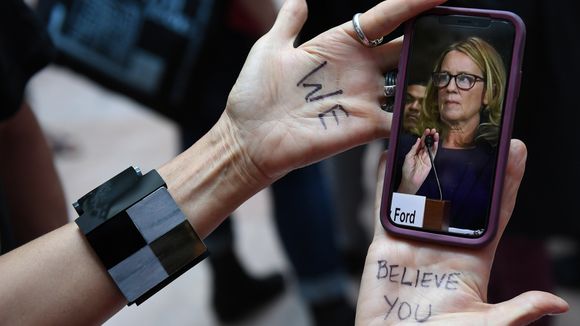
450 122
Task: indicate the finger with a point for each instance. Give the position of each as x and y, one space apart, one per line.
388 15
290 21
387 55
379 192
527 307
514 172
415 148
435 147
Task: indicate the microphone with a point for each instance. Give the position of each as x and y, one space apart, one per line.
429 142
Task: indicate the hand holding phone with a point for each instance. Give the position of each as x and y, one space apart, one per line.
448 150
416 282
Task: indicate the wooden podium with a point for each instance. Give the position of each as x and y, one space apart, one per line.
437 214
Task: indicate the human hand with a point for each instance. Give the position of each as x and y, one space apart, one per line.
417 164
412 281
294 106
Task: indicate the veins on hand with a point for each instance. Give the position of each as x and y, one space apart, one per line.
314 95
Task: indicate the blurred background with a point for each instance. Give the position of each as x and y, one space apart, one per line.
97 133
133 83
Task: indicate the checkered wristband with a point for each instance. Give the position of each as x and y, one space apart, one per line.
139 233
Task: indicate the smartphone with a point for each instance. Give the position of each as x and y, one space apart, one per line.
457 85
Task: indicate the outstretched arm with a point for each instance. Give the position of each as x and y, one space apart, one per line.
290 107
413 281
29 179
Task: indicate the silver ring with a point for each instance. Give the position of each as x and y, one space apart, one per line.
361 35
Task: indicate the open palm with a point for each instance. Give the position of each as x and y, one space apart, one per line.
322 97
407 281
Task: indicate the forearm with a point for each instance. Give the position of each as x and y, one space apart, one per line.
276 126
409 185
406 188
33 191
212 178
58 279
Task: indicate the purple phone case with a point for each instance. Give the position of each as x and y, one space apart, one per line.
504 141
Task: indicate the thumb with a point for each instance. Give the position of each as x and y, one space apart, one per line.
527 307
290 21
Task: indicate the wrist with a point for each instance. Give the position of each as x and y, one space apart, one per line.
236 144
212 178
407 189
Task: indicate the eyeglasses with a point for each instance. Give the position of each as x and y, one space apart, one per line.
463 80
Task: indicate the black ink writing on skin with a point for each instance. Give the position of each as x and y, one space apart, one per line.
314 95
392 273
426 279
417 279
333 111
451 282
403 278
382 272
439 282
311 73
316 86
405 310
424 319
391 305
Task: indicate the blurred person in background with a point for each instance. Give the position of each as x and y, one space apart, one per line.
27 171
544 208
182 58
41 287
413 104
306 229
345 170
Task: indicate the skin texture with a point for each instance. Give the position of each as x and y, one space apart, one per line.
458 108
267 130
460 302
417 163
28 175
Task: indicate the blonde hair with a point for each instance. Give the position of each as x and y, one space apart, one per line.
492 66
